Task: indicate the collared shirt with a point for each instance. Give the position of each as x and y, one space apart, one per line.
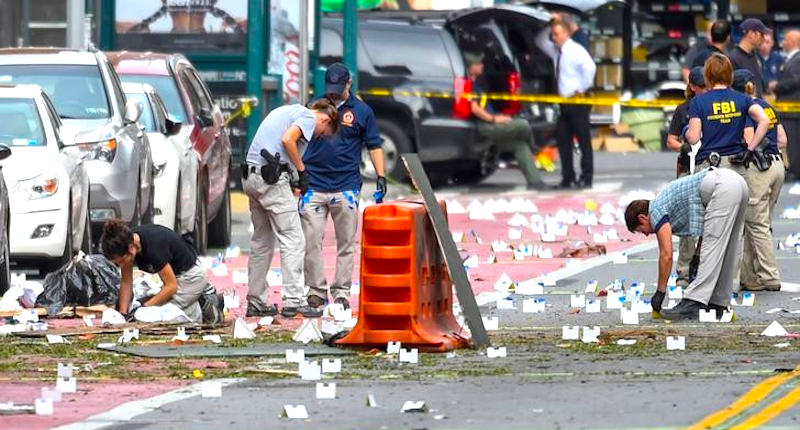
333 162
270 133
680 205
574 66
774 121
702 56
723 113
743 60
771 66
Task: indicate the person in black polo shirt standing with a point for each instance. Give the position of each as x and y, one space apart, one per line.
333 164
157 249
744 55
720 33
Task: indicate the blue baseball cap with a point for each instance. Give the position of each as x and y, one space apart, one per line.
740 79
336 78
696 76
754 24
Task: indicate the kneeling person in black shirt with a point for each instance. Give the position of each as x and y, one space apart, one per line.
157 249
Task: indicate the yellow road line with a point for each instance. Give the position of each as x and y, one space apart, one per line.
752 397
771 411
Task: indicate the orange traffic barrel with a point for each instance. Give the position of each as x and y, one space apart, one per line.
406 292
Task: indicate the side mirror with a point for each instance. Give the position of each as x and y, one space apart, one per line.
133 111
204 118
5 152
173 127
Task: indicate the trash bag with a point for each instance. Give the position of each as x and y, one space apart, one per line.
87 280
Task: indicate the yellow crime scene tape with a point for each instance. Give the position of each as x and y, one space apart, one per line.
595 100
746 414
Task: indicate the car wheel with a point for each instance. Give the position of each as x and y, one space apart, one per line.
5 267
395 142
66 256
200 233
148 216
87 241
219 232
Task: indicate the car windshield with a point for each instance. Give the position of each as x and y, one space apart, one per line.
166 89
77 91
146 120
21 124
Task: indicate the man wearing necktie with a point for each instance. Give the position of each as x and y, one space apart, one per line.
574 76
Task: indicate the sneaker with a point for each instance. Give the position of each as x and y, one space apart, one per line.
315 301
686 309
305 311
253 311
342 301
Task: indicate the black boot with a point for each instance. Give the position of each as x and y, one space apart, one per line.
685 310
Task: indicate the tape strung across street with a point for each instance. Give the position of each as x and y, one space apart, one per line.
603 100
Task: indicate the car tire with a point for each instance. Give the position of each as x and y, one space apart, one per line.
66 256
219 232
148 216
87 242
200 233
5 267
395 142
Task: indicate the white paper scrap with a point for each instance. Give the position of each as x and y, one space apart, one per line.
677 343
496 352
211 389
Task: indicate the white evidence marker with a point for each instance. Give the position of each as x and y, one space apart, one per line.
298 412
629 316
677 343
43 407
295 356
491 323
326 391
619 258
496 352
591 287
213 338
613 299
52 394
331 366
411 356
505 304
675 292
748 299
577 300
530 287
570 333
310 371
393 347
548 280
590 335
592 306
708 315
211 389
530 306
66 385
64 370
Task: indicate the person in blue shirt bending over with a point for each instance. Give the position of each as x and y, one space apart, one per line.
333 165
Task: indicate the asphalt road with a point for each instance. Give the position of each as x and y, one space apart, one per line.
545 382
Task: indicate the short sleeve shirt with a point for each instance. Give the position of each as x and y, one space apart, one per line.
162 246
480 96
723 113
742 60
681 205
333 162
270 133
679 119
774 121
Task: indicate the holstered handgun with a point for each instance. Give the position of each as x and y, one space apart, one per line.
271 170
762 161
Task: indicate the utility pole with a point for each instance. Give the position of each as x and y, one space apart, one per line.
76 24
351 40
303 46
257 22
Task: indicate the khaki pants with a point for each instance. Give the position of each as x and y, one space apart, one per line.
514 137
724 194
191 285
273 210
759 268
343 208
686 248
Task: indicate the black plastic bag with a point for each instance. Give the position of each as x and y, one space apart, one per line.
86 281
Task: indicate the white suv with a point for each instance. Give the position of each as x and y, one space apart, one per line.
47 180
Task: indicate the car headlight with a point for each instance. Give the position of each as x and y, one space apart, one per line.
104 150
158 168
44 185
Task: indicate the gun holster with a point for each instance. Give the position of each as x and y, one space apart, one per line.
245 168
762 161
271 170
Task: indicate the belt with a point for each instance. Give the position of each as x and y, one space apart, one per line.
699 162
254 169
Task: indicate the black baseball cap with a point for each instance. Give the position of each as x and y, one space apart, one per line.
696 76
336 78
754 24
740 79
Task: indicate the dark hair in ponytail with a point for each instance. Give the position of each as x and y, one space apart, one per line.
117 236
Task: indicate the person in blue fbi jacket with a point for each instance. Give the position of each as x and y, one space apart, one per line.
333 166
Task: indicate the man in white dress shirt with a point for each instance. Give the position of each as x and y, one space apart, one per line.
574 76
